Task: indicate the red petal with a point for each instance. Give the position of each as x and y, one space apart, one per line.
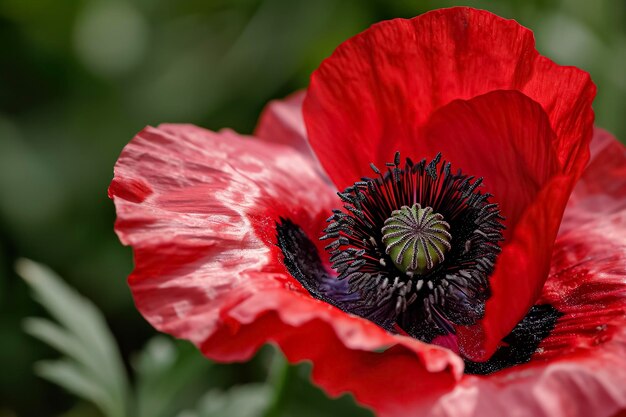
185 197
281 122
370 98
602 188
503 137
506 138
588 273
599 195
382 91
580 369
343 348
208 270
514 291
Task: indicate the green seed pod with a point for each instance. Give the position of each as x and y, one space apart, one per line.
416 238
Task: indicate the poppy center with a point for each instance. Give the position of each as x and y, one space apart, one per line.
416 238
414 247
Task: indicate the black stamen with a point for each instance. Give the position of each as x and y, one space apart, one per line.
521 343
303 262
417 300
396 297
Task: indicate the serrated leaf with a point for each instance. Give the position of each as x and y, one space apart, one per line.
82 335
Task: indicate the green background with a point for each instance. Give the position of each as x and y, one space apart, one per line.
78 78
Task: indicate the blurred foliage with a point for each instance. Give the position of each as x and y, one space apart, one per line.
168 376
92 367
78 78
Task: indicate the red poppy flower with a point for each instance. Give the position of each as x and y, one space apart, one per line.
437 287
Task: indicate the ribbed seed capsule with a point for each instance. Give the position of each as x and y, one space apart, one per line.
416 238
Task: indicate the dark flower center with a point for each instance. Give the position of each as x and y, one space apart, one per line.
413 249
416 245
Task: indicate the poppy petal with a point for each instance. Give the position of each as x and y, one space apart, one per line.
588 275
602 188
503 137
600 194
372 96
506 138
200 211
580 369
193 203
281 122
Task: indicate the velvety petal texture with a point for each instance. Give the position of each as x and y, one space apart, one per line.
281 122
380 87
471 85
185 199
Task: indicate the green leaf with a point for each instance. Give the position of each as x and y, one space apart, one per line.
63 341
73 378
168 376
56 337
93 368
